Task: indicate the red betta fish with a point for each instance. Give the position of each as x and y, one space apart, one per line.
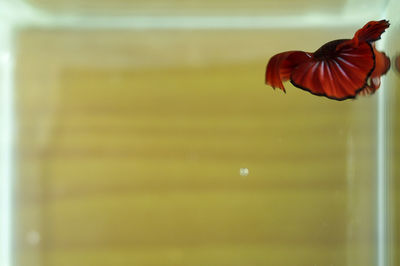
339 70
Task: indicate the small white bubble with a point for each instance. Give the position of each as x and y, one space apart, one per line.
244 171
33 237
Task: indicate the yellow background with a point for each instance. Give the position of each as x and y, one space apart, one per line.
131 145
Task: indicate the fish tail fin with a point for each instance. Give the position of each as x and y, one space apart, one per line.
371 31
280 67
273 71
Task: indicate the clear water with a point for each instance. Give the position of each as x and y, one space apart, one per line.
153 141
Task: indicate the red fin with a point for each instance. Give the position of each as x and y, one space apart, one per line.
366 91
397 63
280 67
371 31
339 77
382 65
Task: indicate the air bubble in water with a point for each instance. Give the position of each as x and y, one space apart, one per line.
244 171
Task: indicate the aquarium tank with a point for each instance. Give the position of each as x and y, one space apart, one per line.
143 133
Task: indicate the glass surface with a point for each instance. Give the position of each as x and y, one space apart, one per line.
392 119
161 145
191 7
352 9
